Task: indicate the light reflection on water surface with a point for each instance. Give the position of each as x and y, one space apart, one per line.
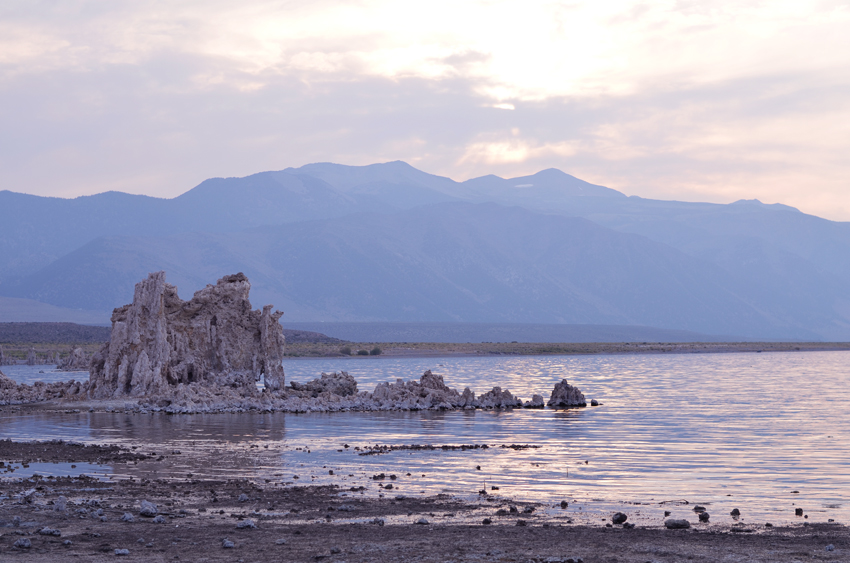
696 427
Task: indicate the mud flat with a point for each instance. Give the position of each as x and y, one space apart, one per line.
46 518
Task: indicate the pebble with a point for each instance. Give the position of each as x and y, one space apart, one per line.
377 521
486 521
704 516
227 544
49 532
160 519
735 512
250 524
122 552
830 547
677 524
798 511
619 518
281 541
128 517
422 521
243 498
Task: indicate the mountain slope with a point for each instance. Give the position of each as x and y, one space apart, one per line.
445 262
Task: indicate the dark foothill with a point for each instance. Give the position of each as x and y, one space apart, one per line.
619 518
704 516
798 511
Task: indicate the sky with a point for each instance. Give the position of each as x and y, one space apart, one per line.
689 100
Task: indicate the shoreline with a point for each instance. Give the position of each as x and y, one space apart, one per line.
485 349
272 520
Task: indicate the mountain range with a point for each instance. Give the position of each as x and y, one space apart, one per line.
390 243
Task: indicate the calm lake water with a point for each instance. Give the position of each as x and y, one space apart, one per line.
723 430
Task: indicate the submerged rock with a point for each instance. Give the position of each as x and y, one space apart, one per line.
565 395
215 339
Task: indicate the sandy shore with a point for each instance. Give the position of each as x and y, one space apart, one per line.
270 521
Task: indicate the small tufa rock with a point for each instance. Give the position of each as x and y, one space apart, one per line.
22 543
704 516
677 524
798 511
128 517
565 395
49 532
227 544
60 504
243 498
159 519
246 524
619 518
122 552
830 547
735 513
594 403
423 521
147 509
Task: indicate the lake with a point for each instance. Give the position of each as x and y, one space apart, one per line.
723 430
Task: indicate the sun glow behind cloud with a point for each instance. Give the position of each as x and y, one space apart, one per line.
690 100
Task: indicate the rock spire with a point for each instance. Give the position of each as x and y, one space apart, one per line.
160 342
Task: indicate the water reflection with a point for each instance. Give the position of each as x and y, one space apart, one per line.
699 427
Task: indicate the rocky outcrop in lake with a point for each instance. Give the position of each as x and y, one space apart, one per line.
160 343
214 353
75 361
565 395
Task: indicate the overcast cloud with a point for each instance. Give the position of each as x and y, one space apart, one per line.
712 101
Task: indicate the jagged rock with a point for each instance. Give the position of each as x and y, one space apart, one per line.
14 393
536 402
76 361
215 340
496 398
31 357
565 395
61 504
147 508
340 384
3 358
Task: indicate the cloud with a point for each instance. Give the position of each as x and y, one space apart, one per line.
709 100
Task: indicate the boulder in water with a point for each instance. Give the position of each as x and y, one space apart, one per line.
565 395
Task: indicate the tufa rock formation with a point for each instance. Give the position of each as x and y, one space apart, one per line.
76 361
565 395
215 340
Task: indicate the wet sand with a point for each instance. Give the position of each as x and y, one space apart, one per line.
330 523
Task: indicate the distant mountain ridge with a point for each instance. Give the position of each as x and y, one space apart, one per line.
390 243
